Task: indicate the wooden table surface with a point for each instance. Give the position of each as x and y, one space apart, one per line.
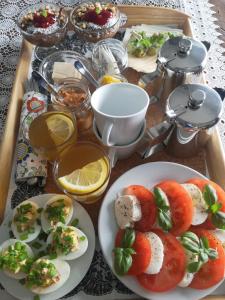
220 15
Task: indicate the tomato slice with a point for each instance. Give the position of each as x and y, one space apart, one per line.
181 206
148 207
173 268
141 246
213 271
200 183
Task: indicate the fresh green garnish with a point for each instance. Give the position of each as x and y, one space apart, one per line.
75 222
36 245
44 13
214 207
200 247
24 236
38 273
123 254
163 215
141 45
52 256
97 10
15 258
82 238
56 213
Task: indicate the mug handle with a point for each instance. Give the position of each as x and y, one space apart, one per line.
113 157
106 134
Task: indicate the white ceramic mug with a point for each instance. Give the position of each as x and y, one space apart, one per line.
119 111
121 152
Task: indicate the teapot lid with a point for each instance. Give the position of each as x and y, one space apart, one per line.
194 106
184 54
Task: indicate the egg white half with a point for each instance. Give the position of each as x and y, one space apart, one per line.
64 272
45 223
83 245
11 242
37 227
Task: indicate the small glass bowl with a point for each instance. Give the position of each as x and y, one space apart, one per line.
44 37
91 32
117 52
75 95
47 65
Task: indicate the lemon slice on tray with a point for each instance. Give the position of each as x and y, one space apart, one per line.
60 126
87 179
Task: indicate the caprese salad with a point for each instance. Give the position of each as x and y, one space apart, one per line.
172 235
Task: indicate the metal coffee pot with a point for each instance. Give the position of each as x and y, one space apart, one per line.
191 112
179 59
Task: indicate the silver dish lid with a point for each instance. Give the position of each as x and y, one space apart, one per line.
194 106
184 54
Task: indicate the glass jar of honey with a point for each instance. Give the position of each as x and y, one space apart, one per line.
75 95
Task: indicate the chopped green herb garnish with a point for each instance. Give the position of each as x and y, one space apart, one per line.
24 236
82 238
56 213
52 256
75 222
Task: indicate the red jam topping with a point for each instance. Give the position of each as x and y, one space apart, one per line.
43 20
99 18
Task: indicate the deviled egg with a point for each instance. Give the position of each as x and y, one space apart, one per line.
16 258
46 275
25 225
67 242
58 209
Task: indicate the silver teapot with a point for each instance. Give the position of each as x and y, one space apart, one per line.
179 59
190 114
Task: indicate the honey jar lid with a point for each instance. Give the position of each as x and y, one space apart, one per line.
194 106
184 55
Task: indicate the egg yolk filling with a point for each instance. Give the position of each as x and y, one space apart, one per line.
25 217
42 274
15 259
58 211
64 241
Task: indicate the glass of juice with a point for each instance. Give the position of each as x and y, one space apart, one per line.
50 132
83 172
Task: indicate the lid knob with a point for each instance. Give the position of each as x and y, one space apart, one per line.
196 99
184 46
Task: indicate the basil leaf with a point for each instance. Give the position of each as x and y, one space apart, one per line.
190 245
190 236
164 220
129 251
203 256
118 251
204 242
215 207
212 253
194 267
128 238
218 220
209 195
122 261
159 197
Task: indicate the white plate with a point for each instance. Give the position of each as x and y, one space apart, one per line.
79 267
147 175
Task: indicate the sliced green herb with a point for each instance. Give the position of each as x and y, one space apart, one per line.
52 255
128 238
82 238
24 236
75 222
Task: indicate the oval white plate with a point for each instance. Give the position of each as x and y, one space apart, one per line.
78 267
147 175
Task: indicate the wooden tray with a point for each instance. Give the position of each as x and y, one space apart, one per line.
211 158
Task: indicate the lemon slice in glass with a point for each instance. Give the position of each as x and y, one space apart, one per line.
60 127
87 179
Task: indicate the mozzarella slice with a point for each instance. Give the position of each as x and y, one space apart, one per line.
220 235
200 208
127 211
157 253
188 277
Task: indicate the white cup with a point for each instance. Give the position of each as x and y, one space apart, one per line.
119 111
121 152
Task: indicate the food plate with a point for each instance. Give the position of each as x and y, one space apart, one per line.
147 175
79 267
